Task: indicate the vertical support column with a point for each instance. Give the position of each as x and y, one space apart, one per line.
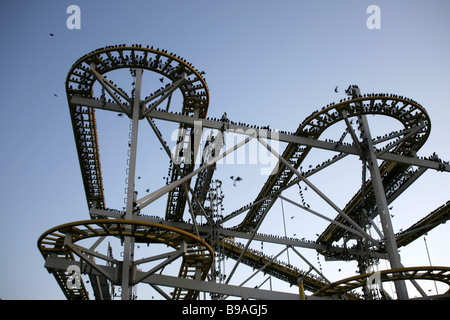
301 290
382 205
128 251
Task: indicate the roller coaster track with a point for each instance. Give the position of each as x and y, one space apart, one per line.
340 288
438 216
203 182
59 242
278 269
396 176
79 84
408 112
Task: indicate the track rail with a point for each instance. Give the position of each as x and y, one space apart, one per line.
435 218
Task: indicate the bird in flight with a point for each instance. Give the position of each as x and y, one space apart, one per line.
51 34
235 180
336 89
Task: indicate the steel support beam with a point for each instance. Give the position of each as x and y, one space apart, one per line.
189 284
382 205
343 226
159 193
252 236
280 136
310 265
176 166
128 246
320 194
205 230
164 93
81 252
271 260
356 142
170 257
225 289
108 86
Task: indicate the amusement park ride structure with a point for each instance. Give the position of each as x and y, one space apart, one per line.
199 248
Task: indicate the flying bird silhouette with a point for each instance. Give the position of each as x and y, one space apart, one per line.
235 180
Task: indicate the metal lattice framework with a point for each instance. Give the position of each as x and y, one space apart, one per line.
199 245
341 287
62 243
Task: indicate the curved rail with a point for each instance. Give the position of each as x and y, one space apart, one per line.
54 243
340 288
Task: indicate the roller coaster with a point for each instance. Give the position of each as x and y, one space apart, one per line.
198 247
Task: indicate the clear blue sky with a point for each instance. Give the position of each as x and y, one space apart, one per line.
266 62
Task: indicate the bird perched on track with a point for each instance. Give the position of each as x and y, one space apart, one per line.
224 117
